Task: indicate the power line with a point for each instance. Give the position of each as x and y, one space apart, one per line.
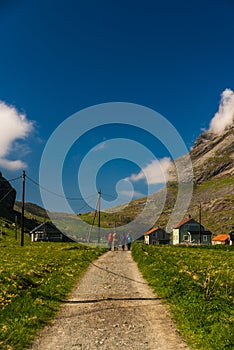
12 189
87 204
11 180
54 193
61 196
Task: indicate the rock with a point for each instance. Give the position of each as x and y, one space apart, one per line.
7 194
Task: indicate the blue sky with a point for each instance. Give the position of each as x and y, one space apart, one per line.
59 57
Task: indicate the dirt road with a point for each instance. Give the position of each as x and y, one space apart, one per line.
112 307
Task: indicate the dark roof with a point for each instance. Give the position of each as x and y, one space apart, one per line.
47 226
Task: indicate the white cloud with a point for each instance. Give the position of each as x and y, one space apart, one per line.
12 164
225 115
154 173
13 126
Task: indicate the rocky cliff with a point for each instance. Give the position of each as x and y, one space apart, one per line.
7 194
213 155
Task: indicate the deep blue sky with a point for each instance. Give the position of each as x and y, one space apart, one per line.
58 57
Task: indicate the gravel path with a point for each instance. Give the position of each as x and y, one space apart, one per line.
112 307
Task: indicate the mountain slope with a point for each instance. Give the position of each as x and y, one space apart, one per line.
213 155
212 159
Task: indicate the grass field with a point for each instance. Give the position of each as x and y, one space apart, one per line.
34 280
198 284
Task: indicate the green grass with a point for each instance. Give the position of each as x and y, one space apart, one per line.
34 281
197 283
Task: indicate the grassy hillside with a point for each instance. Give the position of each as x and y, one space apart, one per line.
215 195
32 211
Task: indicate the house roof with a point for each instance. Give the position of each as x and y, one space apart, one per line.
48 226
182 222
221 237
151 230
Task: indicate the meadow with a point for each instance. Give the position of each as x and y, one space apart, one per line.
197 283
34 281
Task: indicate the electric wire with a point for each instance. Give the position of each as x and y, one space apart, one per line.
11 180
6 194
65 197
54 193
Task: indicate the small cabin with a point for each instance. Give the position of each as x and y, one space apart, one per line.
221 239
156 235
48 232
189 231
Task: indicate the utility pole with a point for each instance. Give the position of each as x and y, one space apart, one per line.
22 212
99 215
98 209
200 222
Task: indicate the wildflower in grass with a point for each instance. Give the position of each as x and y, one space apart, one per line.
4 328
39 301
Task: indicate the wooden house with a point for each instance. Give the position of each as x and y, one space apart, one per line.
189 231
221 239
156 235
48 232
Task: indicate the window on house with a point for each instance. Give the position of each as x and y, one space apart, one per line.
205 238
186 238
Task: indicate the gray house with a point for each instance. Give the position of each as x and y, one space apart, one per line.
189 231
48 232
156 235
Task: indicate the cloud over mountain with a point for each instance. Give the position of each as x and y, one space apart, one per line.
154 173
225 115
13 126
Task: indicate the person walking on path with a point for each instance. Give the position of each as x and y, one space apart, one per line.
115 240
129 241
123 241
110 240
